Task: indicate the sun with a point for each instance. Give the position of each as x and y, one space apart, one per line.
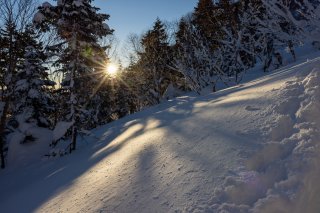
112 69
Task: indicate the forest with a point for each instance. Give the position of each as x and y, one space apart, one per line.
53 60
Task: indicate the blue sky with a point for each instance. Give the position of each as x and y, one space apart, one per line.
137 16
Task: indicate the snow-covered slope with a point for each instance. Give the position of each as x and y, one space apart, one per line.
247 148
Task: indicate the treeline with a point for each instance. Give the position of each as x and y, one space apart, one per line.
66 37
217 42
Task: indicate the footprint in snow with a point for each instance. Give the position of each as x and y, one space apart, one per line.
251 108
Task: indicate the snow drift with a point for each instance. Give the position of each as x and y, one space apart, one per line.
249 148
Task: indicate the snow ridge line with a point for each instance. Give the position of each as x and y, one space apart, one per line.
275 178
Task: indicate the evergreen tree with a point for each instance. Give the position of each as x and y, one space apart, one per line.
236 54
185 59
79 26
205 19
154 61
12 50
134 80
32 101
195 59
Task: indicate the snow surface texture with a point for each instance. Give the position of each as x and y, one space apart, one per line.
60 129
249 148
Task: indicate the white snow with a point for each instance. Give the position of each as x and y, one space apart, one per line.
60 2
60 129
249 148
21 155
38 18
106 26
78 3
46 4
33 93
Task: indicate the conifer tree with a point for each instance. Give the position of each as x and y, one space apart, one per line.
204 18
154 61
79 26
236 54
32 100
195 58
12 49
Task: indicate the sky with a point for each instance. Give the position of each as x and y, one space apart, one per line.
137 16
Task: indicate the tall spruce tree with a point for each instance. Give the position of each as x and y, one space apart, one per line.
32 100
236 54
154 61
195 58
12 50
79 26
206 18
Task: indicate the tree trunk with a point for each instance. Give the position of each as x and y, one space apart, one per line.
292 51
2 154
236 77
214 88
2 129
74 138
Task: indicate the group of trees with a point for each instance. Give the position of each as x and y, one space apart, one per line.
29 97
217 42
220 40
22 77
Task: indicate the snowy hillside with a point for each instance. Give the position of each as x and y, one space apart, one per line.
249 148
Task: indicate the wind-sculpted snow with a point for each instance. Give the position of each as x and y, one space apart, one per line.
249 148
281 177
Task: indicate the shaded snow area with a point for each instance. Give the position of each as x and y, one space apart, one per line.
249 148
